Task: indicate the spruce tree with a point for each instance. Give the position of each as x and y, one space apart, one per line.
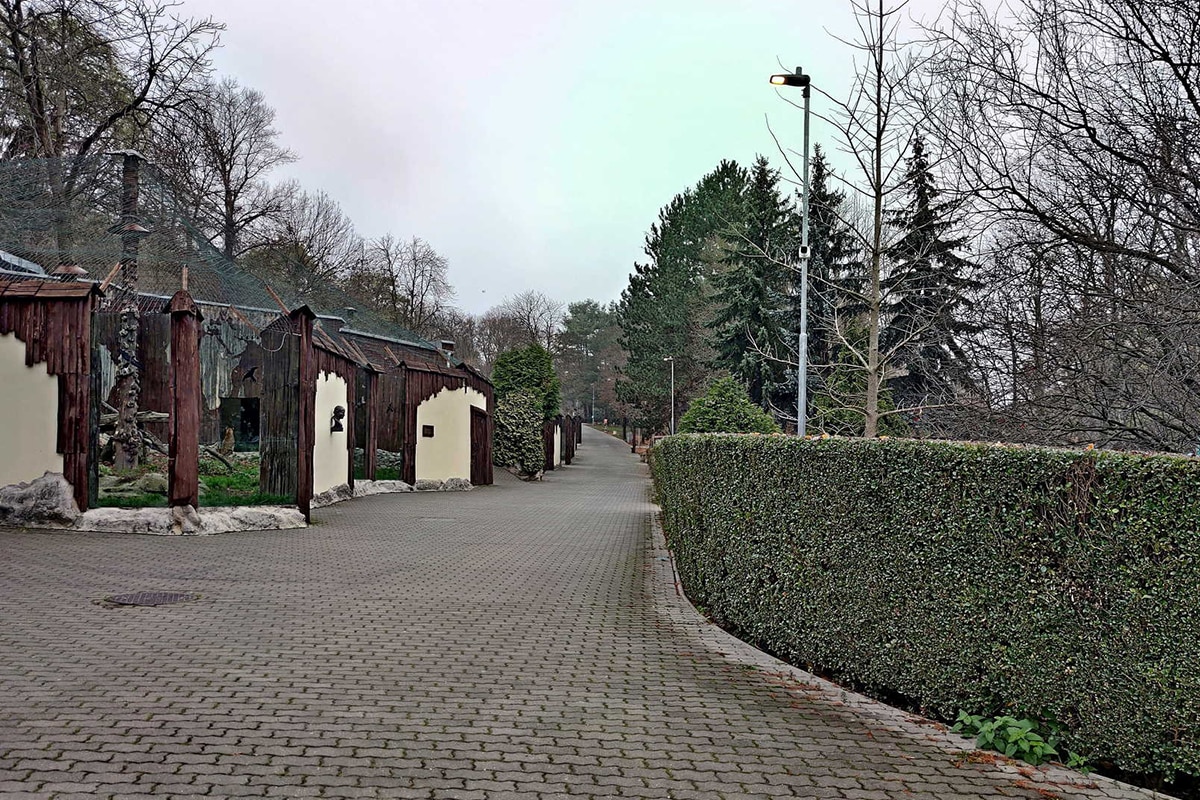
751 319
666 308
926 289
833 276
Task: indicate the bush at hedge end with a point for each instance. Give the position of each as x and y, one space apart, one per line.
726 408
1055 585
517 440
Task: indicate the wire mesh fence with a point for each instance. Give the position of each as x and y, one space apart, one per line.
64 212
96 220
116 220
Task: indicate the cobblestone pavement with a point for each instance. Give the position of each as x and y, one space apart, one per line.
524 640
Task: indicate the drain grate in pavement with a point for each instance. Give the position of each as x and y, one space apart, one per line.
150 598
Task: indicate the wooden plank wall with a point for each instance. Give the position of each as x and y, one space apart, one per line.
390 405
279 409
302 322
569 426
57 332
154 354
371 443
548 428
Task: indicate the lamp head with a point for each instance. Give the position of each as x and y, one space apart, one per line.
796 79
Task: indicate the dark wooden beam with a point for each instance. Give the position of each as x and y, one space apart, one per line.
183 435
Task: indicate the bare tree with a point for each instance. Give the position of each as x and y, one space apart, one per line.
874 125
80 76
311 242
498 330
538 316
1076 127
408 281
219 149
462 329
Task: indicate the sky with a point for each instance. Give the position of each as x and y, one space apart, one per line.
530 142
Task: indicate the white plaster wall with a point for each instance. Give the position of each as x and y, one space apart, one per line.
331 465
558 445
448 453
29 410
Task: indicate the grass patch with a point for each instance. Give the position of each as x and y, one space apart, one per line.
237 488
219 486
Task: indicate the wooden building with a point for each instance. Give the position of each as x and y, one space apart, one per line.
45 381
317 401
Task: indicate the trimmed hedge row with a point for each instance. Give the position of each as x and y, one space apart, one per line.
1056 585
517 440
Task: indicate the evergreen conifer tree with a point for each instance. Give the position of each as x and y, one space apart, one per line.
927 288
751 318
666 308
834 278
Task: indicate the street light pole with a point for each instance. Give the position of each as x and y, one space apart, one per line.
593 403
803 81
672 360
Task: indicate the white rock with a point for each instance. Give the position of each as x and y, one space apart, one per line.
368 488
48 501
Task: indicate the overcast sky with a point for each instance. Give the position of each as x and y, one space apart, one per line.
531 142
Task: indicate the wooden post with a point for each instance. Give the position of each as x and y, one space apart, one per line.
127 436
183 435
302 324
351 424
371 445
548 444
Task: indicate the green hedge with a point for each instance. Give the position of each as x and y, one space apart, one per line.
517 439
1061 586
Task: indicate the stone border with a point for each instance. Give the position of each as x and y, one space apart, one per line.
366 488
185 521
671 603
47 504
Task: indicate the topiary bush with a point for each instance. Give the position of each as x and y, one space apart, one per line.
529 369
726 408
1058 586
517 441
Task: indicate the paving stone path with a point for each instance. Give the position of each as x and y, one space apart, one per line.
524 640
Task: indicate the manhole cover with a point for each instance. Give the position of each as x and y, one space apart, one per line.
150 598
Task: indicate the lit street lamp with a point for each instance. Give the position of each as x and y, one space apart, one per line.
803 81
672 360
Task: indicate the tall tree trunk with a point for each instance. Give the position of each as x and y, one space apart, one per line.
128 437
229 233
875 302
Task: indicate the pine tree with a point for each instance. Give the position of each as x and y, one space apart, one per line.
833 276
927 289
666 308
750 322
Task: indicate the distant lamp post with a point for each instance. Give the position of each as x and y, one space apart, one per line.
803 81
672 360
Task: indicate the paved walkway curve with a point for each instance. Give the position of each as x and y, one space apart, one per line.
524 640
